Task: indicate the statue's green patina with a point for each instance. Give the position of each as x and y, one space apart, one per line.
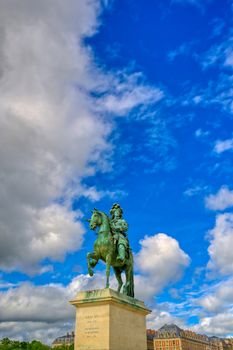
112 246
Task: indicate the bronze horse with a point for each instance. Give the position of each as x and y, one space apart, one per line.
105 250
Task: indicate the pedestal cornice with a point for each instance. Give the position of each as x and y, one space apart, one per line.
109 296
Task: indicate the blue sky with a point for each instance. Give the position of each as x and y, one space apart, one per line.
116 101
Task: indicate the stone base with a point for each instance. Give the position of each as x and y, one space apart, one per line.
107 320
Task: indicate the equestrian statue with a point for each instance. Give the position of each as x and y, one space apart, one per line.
112 246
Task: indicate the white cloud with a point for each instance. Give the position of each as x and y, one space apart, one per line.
218 90
215 309
212 56
47 303
201 133
211 304
195 190
28 302
128 91
42 312
197 99
219 54
220 248
93 194
158 318
160 262
48 132
222 146
223 199
229 58
45 332
6 285
53 131
219 325
183 49
218 299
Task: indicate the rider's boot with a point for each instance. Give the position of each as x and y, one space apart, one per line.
121 253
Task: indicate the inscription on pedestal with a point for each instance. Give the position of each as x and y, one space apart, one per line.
92 327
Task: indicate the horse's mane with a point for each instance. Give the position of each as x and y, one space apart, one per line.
102 214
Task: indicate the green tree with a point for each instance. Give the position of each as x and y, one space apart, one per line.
37 345
7 344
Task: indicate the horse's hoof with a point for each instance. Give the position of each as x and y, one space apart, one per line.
91 273
93 263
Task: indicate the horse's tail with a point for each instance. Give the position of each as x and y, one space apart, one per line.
130 288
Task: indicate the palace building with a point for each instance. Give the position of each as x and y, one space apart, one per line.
67 340
171 337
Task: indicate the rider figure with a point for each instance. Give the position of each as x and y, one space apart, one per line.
119 229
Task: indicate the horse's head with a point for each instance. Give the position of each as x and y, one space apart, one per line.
96 219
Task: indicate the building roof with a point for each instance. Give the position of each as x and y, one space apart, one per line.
171 329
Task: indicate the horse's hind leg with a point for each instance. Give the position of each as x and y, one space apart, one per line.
128 288
91 263
118 277
127 282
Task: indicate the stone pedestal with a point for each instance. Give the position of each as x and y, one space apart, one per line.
107 320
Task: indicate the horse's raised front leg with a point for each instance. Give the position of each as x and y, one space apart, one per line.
92 260
108 265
